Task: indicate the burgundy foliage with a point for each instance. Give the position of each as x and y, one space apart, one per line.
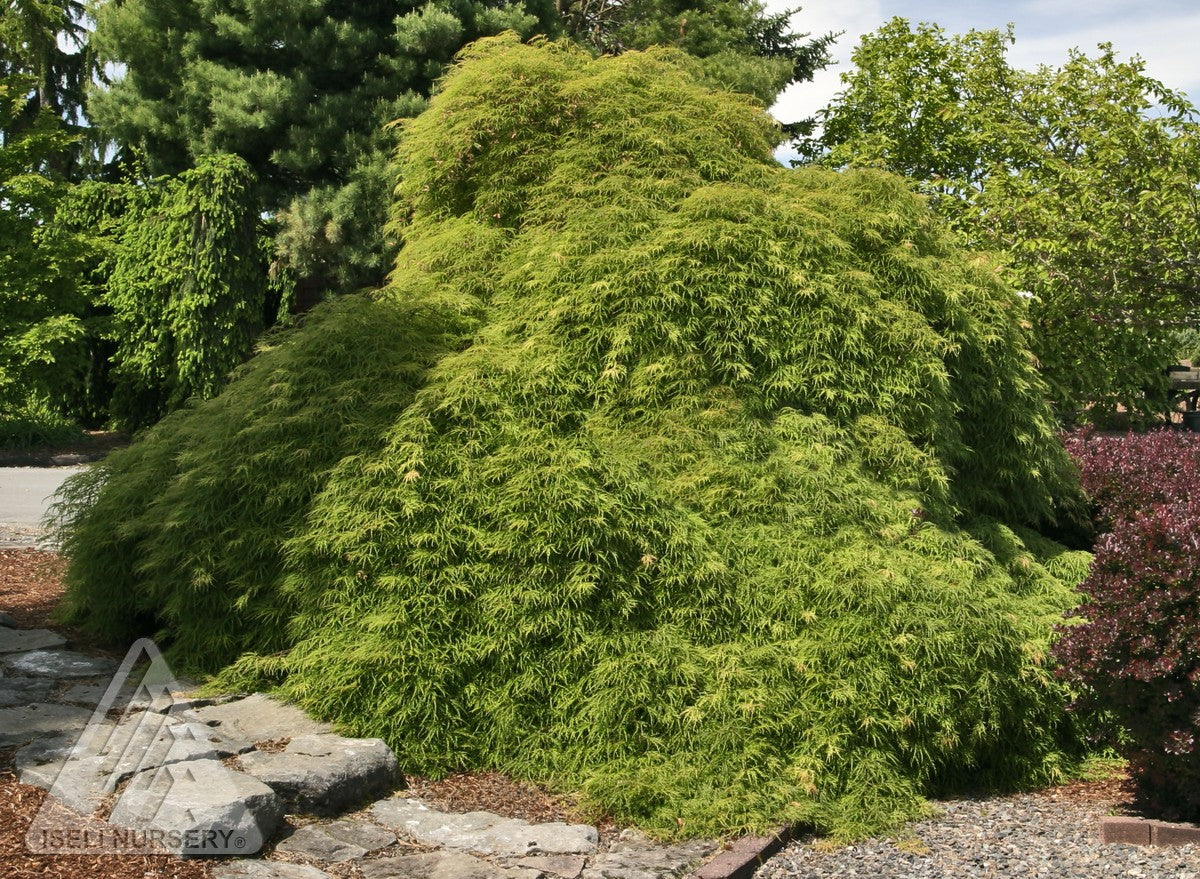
1135 652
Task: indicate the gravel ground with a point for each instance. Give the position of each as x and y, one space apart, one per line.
1052 834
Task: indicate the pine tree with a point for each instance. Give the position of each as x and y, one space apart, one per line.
304 91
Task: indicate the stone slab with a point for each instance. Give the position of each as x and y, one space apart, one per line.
564 866
266 870
202 807
439 865
1130 831
260 718
483 832
17 691
83 769
639 858
21 725
24 640
324 774
344 840
90 692
59 664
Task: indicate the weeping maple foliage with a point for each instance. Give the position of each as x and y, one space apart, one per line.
708 489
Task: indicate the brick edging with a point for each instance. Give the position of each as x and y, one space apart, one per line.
745 856
1147 831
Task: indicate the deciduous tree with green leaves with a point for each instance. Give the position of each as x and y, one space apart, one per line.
43 297
1081 178
659 472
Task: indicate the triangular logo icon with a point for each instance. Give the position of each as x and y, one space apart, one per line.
142 777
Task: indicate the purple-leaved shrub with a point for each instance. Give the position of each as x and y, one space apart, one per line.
1135 652
1126 474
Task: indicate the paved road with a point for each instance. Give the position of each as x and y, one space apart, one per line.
25 493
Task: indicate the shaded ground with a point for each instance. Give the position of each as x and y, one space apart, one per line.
92 444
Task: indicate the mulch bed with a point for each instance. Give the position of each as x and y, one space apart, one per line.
494 792
30 585
19 804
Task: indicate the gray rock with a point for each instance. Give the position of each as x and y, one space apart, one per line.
6 620
566 866
82 770
483 832
323 774
24 640
344 840
439 865
20 725
47 749
201 807
648 861
40 762
59 664
259 718
70 459
90 693
24 691
266 870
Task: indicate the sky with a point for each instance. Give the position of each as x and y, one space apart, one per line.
1165 33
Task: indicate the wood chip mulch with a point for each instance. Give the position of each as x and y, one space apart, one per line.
493 792
30 585
19 804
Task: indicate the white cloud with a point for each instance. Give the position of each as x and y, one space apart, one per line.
855 17
1166 33
1167 44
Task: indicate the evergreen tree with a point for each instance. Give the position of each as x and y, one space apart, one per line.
304 90
46 41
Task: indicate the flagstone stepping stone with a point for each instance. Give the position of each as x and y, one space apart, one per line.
259 718
59 664
83 769
267 870
344 840
643 859
439 865
563 866
24 691
90 693
23 640
483 832
201 808
22 724
323 774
